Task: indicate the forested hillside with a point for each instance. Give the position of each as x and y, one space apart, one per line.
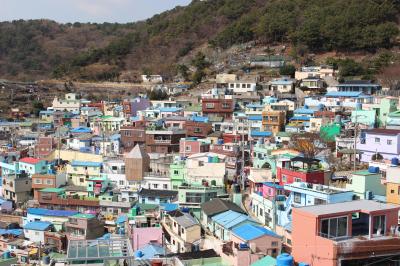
42 49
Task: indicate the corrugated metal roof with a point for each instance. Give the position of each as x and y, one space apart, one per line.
47 212
38 225
230 219
249 231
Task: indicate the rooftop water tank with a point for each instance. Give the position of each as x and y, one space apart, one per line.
395 161
138 254
284 260
220 141
215 159
303 264
210 159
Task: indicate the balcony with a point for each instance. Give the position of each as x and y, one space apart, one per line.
362 246
162 141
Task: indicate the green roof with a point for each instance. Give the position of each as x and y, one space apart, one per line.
146 206
83 215
266 261
364 172
53 190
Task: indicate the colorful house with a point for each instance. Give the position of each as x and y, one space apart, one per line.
378 144
366 183
344 233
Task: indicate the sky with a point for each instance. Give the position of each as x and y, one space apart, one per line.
99 11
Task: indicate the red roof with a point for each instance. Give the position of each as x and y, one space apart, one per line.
30 160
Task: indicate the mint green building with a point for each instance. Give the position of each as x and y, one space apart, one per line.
263 158
363 181
177 174
365 117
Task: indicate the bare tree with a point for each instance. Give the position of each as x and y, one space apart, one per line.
390 76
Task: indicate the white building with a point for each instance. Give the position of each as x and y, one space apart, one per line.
34 231
315 72
69 103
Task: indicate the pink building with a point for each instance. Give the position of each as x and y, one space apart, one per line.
144 235
360 231
271 190
190 146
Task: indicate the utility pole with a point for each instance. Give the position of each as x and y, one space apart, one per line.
355 143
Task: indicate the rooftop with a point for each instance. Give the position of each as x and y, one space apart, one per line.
183 219
47 212
85 164
29 160
84 216
383 131
249 232
37 226
366 206
216 206
230 218
52 190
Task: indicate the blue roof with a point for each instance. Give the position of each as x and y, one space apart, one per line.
255 105
270 184
169 109
301 118
149 251
230 218
38 225
343 94
46 212
249 231
169 206
86 164
16 232
304 111
201 119
255 118
81 130
282 82
48 112
261 133
121 219
135 118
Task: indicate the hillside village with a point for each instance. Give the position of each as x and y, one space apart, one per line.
298 169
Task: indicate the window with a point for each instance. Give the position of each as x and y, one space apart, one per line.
333 227
210 105
192 197
176 172
389 142
155 185
165 186
248 86
38 181
121 182
377 140
284 178
238 85
183 230
226 105
231 85
243 86
188 148
297 179
274 243
49 182
379 224
81 180
261 212
296 197
197 130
